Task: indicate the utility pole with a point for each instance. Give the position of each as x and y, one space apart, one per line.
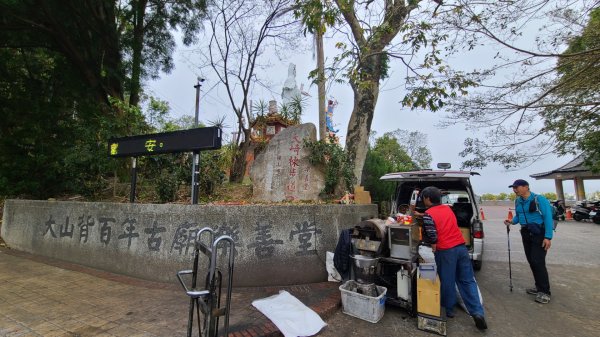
196 157
321 83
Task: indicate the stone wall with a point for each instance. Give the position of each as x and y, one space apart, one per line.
274 244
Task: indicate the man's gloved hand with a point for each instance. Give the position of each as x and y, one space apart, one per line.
508 223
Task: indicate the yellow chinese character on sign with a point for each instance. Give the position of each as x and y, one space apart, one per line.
113 148
150 144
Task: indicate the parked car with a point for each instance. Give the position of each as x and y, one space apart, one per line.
457 193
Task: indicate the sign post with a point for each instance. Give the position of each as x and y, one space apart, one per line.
196 158
133 179
197 139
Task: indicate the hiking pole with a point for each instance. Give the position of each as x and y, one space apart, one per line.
509 265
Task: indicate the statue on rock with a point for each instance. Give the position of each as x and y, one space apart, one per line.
331 132
290 89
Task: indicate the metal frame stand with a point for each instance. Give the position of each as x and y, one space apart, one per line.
208 300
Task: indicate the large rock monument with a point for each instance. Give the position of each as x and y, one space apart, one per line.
282 171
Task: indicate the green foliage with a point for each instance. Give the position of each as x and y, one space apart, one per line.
548 104
166 186
62 72
54 134
550 195
147 36
386 156
84 32
212 170
166 172
414 143
293 110
381 192
576 123
157 112
335 163
316 15
502 196
488 196
393 152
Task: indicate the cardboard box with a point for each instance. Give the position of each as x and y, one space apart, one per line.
361 196
428 295
466 233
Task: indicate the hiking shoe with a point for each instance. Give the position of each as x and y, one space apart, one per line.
542 298
531 291
480 322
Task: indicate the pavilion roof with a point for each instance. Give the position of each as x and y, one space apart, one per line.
574 168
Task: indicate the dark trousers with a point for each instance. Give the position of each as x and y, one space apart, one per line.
536 256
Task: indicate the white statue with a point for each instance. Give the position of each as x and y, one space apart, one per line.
290 88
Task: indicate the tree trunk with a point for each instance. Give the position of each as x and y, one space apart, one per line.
238 167
359 126
138 45
321 85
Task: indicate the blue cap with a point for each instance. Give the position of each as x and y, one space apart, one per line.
519 182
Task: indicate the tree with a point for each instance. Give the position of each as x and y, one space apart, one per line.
394 153
239 33
576 123
414 143
540 96
147 28
53 132
62 86
83 31
371 28
386 156
488 196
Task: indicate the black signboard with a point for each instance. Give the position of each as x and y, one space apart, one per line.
167 142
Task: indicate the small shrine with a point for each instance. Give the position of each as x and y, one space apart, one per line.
265 127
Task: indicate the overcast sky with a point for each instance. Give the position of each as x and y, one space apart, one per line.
445 144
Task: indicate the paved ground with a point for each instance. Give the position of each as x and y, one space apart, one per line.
574 268
43 297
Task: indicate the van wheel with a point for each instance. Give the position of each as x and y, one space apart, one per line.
477 264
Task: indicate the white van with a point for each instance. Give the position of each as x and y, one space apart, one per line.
457 193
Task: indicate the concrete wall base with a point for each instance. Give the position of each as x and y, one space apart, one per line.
274 244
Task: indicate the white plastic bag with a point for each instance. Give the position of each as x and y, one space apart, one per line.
332 274
426 254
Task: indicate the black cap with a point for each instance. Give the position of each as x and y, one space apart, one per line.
519 182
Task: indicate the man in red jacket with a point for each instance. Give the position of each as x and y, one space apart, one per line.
454 267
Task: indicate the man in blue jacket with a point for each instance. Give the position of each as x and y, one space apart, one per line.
534 213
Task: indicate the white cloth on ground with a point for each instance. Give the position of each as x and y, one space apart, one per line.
291 316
